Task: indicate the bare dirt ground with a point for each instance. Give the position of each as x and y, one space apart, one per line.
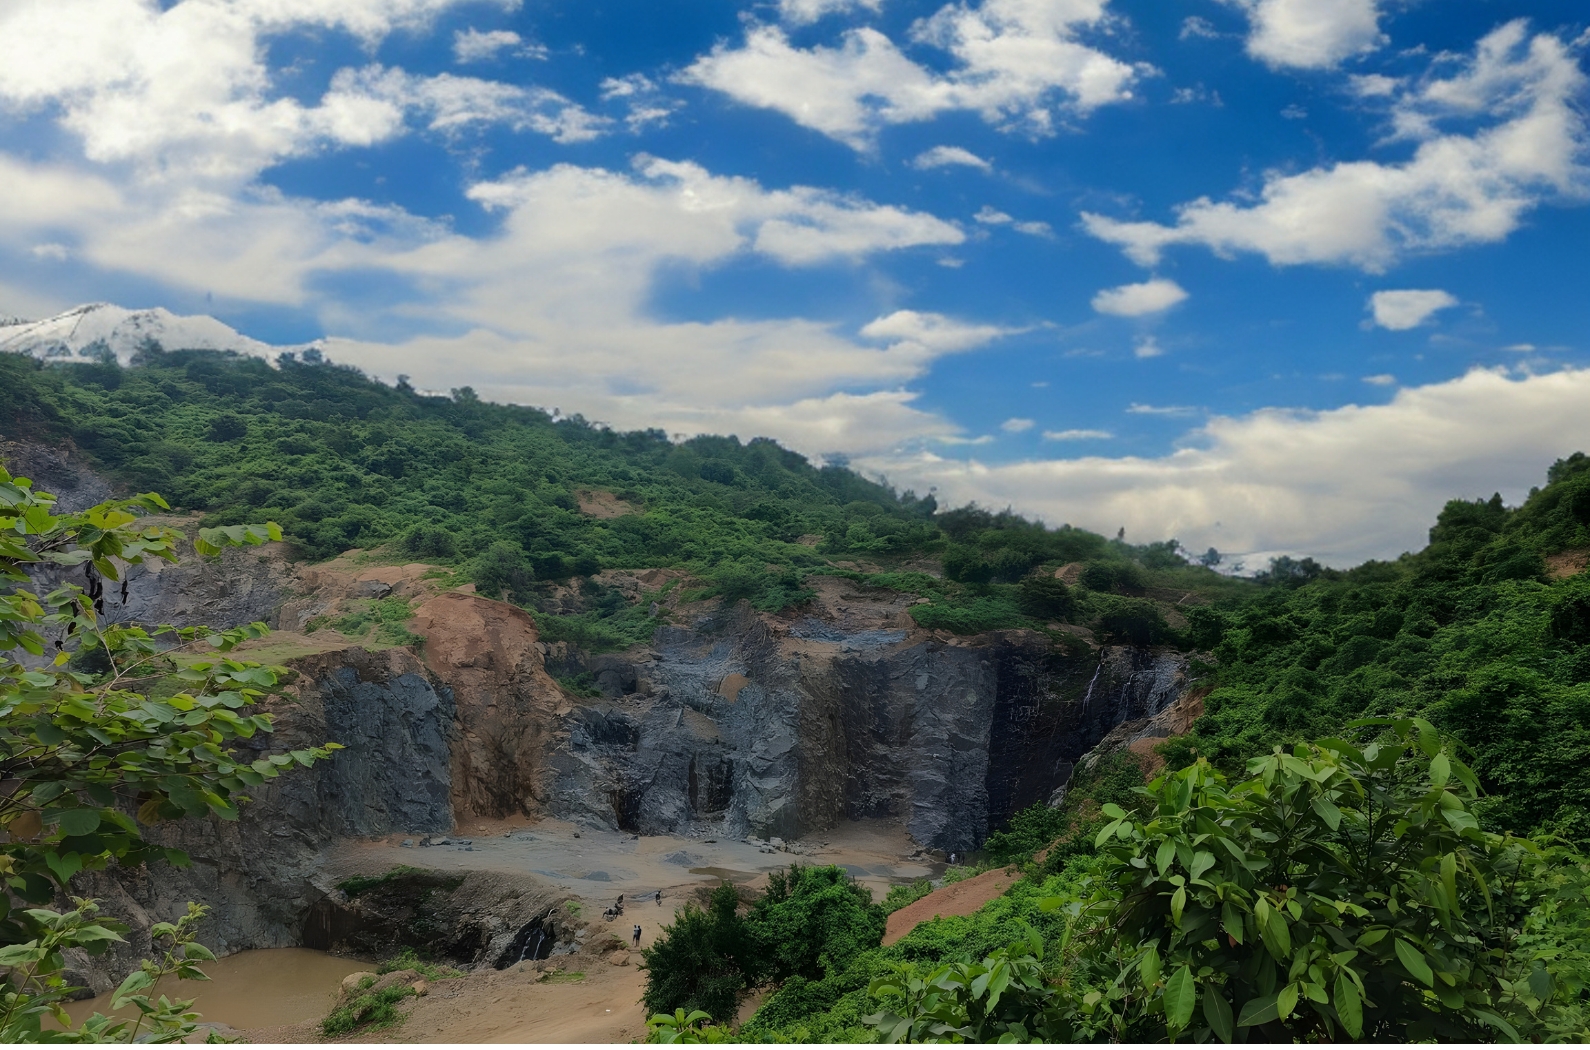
522 1004
960 898
598 865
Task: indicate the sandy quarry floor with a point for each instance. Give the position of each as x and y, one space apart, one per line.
522 1004
597 866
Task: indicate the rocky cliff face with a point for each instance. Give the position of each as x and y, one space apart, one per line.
263 873
787 729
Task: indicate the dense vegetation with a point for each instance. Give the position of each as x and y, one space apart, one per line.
91 752
1339 890
1473 633
808 925
341 461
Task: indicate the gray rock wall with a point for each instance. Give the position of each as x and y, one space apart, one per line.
262 873
825 725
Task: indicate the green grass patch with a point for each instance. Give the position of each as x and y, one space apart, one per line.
561 977
409 959
369 1012
353 886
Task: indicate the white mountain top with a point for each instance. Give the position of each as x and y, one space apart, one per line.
86 332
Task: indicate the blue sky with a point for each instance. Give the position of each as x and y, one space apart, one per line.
1267 275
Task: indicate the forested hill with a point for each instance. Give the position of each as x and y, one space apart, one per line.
1486 631
519 501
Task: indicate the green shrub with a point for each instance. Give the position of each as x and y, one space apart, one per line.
969 615
369 1012
812 921
700 962
900 896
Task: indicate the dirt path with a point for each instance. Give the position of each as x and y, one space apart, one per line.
960 898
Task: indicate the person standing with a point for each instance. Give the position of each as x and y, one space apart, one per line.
659 898
635 939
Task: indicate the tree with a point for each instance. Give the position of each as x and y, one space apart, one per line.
811 922
88 754
1343 891
700 962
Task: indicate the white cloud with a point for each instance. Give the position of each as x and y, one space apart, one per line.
1310 34
1034 229
1521 348
52 251
1457 189
1342 485
805 12
1137 409
1383 379
1148 347
934 331
1408 308
1016 426
454 103
473 45
1016 62
989 215
950 156
1135 300
647 106
181 91
1077 435
1194 27
1374 85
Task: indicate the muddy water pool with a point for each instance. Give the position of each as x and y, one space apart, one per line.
257 989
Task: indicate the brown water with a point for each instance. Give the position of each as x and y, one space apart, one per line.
258 989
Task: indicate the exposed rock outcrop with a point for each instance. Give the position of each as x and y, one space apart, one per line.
508 707
262 873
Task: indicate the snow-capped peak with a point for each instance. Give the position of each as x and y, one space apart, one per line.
87 332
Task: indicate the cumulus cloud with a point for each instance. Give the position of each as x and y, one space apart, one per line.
474 45
1310 34
1343 485
453 103
1016 426
805 12
1148 347
181 91
1456 189
1383 379
989 215
934 331
950 156
1015 63
1077 435
1408 308
1135 300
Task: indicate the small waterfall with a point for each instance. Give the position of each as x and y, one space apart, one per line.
1087 698
529 952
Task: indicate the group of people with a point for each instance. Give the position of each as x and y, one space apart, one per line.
618 909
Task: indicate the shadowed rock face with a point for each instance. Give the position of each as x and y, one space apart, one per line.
262 873
950 738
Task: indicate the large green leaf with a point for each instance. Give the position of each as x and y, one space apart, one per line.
1414 962
1348 1006
1217 1013
1181 996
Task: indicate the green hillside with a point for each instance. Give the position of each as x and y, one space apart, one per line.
341 461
